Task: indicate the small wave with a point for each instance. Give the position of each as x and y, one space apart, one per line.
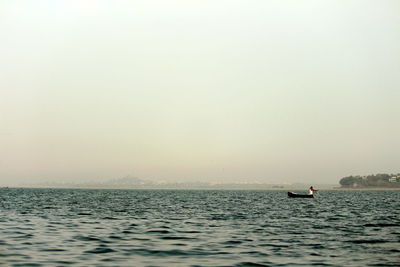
139 239
386 264
49 208
115 237
219 218
174 252
100 250
110 218
233 242
177 238
23 236
52 250
368 241
255 253
382 225
63 262
274 245
250 264
87 238
158 232
13 255
27 264
24 228
189 232
124 210
148 252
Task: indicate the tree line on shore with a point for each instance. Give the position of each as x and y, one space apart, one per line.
373 180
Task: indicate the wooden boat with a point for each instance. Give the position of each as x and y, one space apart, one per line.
291 194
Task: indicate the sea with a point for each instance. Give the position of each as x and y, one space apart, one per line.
82 227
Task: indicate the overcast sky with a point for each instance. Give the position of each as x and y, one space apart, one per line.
252 90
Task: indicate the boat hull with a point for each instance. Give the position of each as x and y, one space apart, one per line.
294 195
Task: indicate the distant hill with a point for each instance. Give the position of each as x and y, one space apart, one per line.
374 180
127 181
131 182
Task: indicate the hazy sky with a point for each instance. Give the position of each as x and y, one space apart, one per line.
267 91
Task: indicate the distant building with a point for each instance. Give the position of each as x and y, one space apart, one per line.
394 179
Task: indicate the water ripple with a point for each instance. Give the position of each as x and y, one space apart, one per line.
198 228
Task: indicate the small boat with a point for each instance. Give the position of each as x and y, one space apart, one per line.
291 194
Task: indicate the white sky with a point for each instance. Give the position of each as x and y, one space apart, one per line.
267 91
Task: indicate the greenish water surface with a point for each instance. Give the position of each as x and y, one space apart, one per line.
198 228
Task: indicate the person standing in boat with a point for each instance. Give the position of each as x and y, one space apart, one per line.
311 190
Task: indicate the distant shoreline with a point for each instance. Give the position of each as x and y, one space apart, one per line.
208 189
369 188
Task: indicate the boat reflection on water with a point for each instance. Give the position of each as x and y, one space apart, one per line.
295 195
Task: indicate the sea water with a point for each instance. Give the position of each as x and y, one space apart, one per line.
58 227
